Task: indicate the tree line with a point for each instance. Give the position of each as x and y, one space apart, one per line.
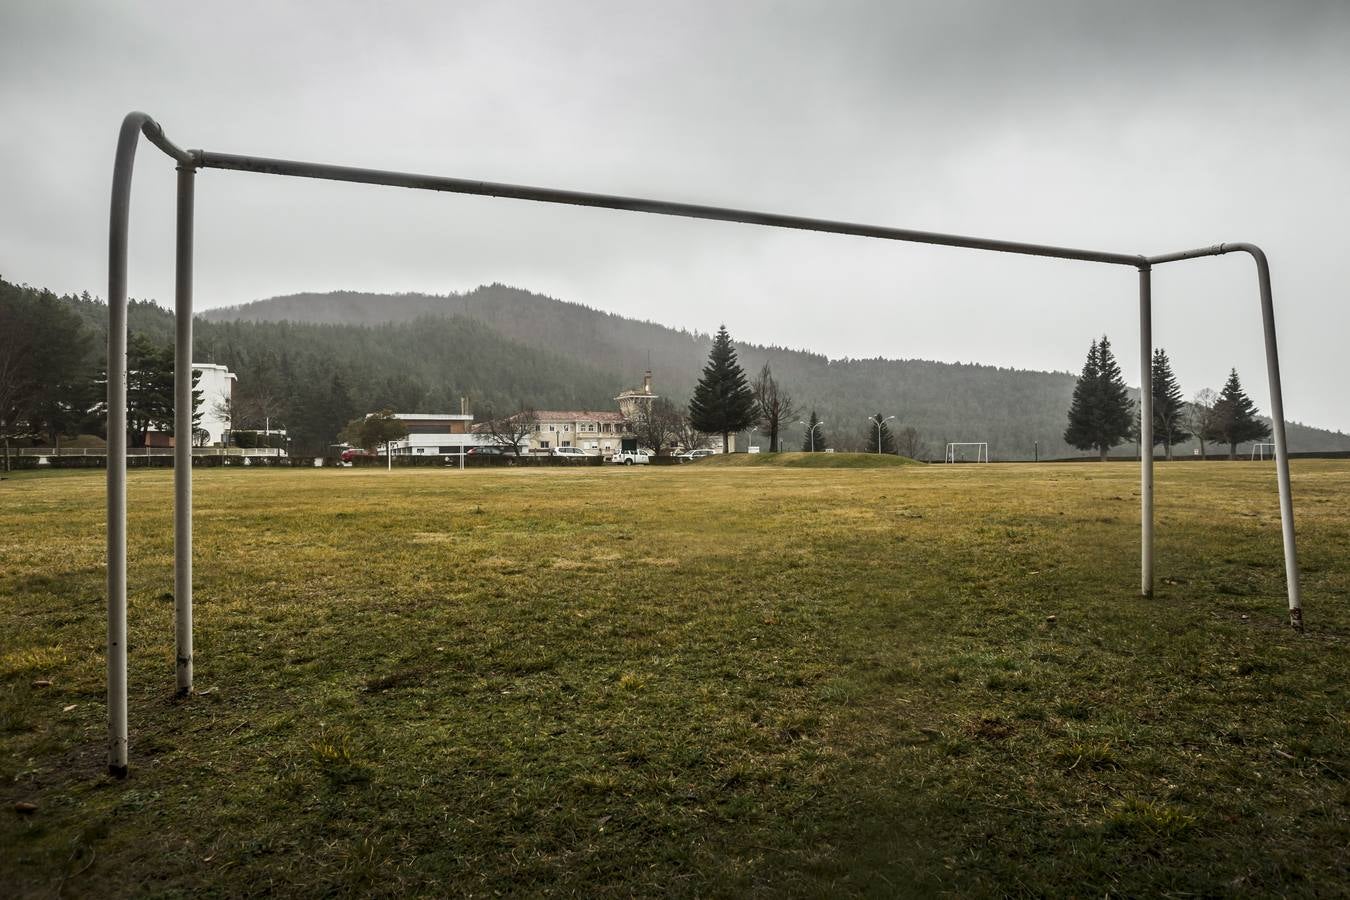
501 348
725 401
53 384
1102 415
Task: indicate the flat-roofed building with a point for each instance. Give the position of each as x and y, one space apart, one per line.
438 434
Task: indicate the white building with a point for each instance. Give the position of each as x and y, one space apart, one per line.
216 384
438 434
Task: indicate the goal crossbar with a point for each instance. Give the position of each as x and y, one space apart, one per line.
189 162
981 450
1259 449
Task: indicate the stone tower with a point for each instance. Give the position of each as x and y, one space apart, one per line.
634 399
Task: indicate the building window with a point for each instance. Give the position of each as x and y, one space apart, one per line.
543 445
565 444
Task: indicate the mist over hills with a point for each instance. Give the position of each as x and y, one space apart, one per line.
505 345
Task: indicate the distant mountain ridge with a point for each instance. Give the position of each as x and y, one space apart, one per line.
1018 412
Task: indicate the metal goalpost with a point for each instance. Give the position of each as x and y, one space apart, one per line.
1259 449
981 450
190 161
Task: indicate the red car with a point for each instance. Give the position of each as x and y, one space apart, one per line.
352 452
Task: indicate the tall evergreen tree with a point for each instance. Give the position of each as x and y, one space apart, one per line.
1169 409
723 402
149 392
1236 417
879 437
45 370
1100 415
815 441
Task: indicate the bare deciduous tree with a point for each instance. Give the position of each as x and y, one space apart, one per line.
258 410
1201 417
657 425
510 430
774 406
223 409
909 442
689 437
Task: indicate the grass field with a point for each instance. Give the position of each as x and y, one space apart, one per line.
697 680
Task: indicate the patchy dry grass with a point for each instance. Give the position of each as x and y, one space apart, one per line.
695 680
809 460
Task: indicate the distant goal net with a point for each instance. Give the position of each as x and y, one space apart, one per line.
967 451
1260 451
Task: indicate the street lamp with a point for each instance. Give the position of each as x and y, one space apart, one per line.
878 421
812 430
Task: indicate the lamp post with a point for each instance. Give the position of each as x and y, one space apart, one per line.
811 429
879 421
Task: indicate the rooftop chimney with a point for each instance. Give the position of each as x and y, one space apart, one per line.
647 382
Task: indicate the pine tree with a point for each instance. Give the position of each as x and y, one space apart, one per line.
1080 431
815 441
723 402
878 432
150 395
1236 417
1101 412
1169 409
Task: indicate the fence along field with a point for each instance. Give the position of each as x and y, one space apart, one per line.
684 681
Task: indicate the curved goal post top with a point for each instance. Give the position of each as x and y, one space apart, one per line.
188 162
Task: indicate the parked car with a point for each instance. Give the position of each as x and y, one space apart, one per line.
631 458
352 453
486 451
692 455
570 452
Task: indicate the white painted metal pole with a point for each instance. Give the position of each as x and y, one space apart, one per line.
1146 431
117 445
1291 573
182 430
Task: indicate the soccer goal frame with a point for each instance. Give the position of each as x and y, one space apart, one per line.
981 449
1259 449
189 162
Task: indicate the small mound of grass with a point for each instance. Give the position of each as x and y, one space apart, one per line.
1137 818
811 460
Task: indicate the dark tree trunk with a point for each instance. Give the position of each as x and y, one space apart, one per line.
1103 451
726 443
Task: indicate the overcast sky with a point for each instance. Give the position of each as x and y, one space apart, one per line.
1127 126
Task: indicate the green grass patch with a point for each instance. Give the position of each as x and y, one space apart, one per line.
687 681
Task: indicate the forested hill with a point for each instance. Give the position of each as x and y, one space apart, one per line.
1011 409
311 363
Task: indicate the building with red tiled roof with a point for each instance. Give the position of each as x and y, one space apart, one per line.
594 431
597 432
